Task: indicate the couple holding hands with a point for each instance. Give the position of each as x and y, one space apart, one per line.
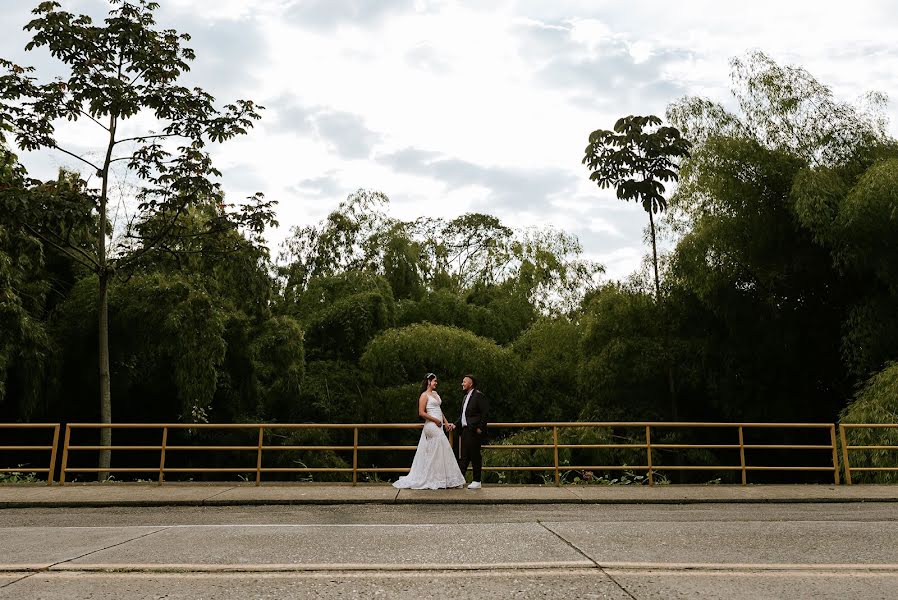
435 466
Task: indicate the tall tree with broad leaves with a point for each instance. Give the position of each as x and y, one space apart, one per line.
635 158
118 73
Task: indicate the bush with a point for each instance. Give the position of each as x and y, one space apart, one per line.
405 355
876 402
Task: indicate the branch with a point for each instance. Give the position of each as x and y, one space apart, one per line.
89 116
150 137
73 155
90 263
157 240
80 251
136 77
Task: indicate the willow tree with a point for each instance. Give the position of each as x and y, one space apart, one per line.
118 75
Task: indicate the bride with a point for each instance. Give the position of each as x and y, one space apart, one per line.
434 465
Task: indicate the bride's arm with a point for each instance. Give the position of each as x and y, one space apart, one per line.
422 410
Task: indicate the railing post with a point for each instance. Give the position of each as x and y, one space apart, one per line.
832 439
742 456
648 452
845 454
162 455
52 471
65 454
259 456
555 444
355 455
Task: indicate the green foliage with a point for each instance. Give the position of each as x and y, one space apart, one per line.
342 313
167 328
550 352
868 222
399 403
542 267
779 293
875 402
24 286
623 357
636 158
278 359
570 460
336 391
406 354
762 251
308 459
111 74
19 477
493 312
524 457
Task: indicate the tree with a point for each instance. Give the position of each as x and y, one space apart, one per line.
635 159
24 288
123 69
404 355
550 352
775 202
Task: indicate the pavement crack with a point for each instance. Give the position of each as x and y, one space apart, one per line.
128 541
224 491
587 557
23 578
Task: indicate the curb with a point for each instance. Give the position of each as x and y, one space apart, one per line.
435 501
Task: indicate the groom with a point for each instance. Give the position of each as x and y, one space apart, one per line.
472 429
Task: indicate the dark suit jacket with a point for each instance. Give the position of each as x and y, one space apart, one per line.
476 414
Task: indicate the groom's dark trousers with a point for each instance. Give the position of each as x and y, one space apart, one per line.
469 440
470 452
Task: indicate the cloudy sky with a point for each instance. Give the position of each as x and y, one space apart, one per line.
453 107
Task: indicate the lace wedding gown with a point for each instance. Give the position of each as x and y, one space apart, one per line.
434 465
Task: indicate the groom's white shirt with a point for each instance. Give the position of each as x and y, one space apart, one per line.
464 409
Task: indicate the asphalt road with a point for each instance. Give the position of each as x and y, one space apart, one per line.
727 551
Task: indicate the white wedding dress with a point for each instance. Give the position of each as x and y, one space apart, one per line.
434 466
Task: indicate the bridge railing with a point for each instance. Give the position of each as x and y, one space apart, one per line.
892 449
49 431
644 441
647 444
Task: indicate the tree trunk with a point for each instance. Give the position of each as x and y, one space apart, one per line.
671 386
105 390
103 312
655 260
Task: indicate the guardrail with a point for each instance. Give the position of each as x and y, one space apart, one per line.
54 444
260 448
846 447
738 428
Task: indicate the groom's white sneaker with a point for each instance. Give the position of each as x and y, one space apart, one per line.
474 485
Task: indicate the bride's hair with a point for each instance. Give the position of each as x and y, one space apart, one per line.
426 383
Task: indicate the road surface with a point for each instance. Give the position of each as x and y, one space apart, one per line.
730 551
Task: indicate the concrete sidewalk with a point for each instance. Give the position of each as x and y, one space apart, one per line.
192 494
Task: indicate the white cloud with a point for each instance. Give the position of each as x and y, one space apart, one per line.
499 98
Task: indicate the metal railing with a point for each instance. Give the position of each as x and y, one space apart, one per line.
260 448
846 447
51 448
649 446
